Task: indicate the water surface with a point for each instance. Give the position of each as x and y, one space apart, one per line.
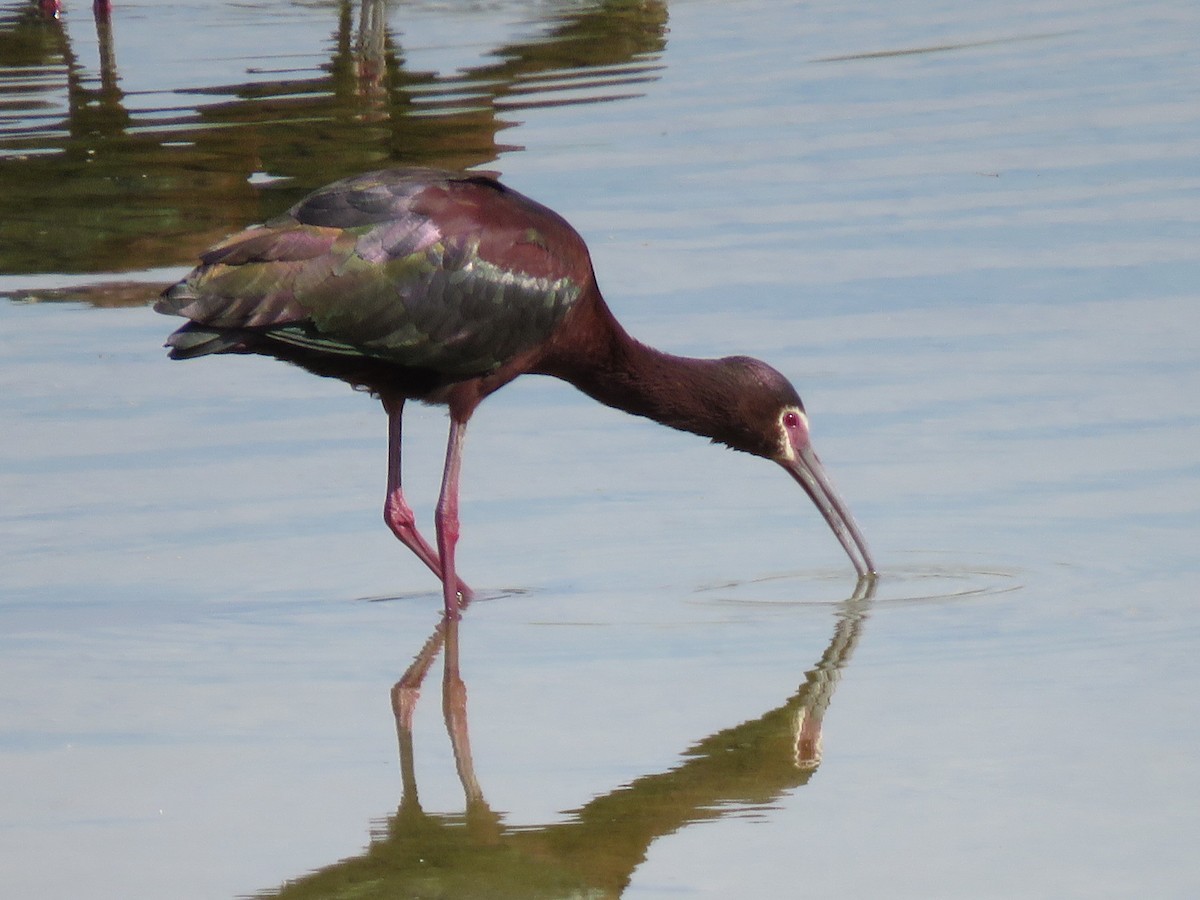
968 234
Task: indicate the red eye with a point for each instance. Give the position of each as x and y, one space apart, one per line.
791 420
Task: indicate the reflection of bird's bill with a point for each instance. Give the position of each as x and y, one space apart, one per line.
806 468
807 752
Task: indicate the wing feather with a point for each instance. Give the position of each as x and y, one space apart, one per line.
414 267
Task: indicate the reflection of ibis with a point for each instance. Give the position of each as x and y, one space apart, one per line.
421 284
755 767
102 9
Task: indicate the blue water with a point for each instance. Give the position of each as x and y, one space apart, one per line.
978 262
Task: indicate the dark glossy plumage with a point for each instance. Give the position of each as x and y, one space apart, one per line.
451 278
422 284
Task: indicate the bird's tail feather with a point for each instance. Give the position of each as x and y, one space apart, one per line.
172 301
194 340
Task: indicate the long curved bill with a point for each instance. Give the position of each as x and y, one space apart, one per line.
806 468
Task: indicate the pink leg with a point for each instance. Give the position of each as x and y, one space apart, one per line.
396 511
447 516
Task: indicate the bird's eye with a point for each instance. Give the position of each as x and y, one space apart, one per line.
791 420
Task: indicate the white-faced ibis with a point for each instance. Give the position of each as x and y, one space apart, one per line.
443 287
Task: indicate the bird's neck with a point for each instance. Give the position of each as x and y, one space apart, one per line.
606 363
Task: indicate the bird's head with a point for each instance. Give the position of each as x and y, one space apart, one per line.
770 421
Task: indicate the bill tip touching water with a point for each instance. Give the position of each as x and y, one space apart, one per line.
420 284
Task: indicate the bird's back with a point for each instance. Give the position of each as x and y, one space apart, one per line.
445 275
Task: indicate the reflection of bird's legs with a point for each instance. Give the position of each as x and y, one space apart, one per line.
404 703
369 60
454 708
396 511
406 691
